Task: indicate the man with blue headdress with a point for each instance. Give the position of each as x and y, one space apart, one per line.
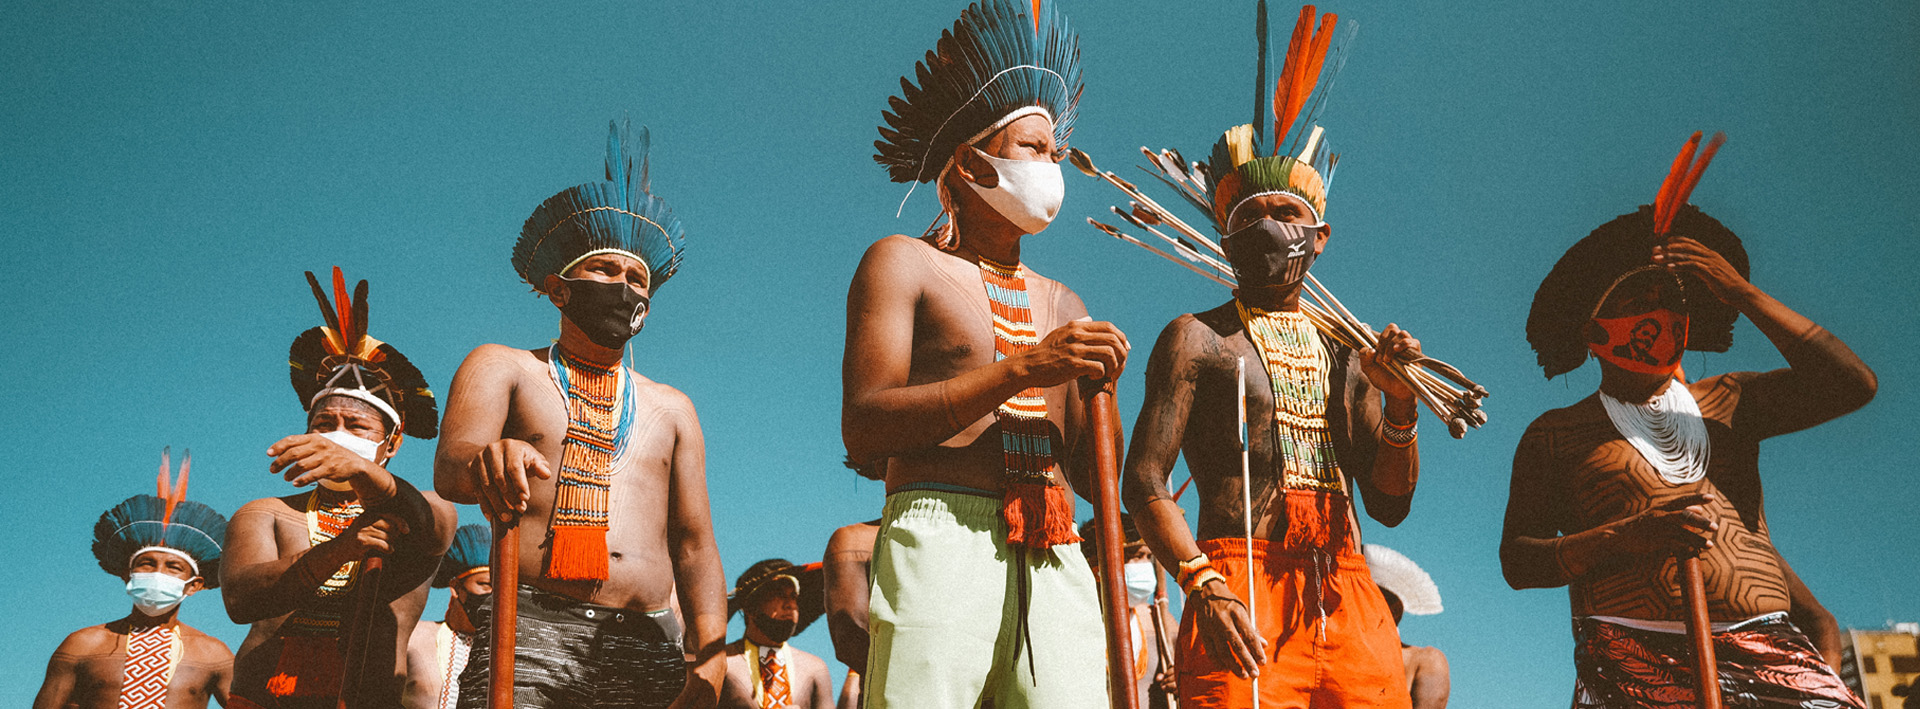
166 548
438 652
604 469
962 371
301 569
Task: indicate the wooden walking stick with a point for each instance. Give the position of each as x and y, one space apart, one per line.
505 566
1700 630
354 645
1165 642
1113 588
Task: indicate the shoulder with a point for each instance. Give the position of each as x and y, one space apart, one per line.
852 537
1426 658
1065 302
274 506
663 397
896 251
490 357
90 641
200 643
809 662
1199 333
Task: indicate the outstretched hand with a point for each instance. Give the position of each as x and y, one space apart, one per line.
1688 256
1226 631
1681 527
308 458
502 469
1394 344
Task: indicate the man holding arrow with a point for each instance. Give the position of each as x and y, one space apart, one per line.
963 370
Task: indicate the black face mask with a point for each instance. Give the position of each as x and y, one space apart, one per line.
609 313
1270 252
776 629
472 602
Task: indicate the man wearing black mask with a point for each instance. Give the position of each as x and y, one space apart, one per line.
604 468
779 600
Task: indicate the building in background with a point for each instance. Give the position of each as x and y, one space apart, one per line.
1877 661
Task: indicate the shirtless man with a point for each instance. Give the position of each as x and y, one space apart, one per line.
1408 588
1608 493
849 571
978 589
604 468
438 652
149 659
763 671
295 565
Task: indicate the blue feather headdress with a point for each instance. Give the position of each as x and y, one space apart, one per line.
620 215
998 59
472 548
167 521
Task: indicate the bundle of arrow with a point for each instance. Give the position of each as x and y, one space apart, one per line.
1445 391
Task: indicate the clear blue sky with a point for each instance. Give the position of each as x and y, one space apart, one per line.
168 169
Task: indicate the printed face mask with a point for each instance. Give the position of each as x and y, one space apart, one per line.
1028 194
155 594
1649 344
360 447
1140 582
609 313
1270 252
776 629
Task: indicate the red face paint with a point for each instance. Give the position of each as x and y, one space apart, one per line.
1650 343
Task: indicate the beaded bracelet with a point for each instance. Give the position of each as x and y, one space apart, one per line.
1399 436
1195 573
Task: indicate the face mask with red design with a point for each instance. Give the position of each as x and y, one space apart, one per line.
1649 343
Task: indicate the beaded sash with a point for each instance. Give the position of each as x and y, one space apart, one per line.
1039 514
599 409
1299 367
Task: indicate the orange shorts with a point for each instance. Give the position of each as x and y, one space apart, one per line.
1331 640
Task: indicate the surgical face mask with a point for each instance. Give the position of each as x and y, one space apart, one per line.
1270 252
1028 194
360 447
1140 582
1650 343
608 313
155 594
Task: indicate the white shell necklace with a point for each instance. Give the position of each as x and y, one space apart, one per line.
1668 432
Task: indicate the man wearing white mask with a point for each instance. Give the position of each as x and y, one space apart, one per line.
962 371
298 564
166 549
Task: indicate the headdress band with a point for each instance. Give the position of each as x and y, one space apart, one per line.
623 252
165 550
1009 118
361 395
1318 220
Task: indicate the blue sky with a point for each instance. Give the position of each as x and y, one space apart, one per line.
167 170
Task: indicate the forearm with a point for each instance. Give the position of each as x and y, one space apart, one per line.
900 419
1827 368
453 477
1163 525
1550 562
703 596
1396 470
274 588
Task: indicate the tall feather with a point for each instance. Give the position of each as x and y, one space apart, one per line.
1290 74
1306 54
360 328
179 492
326 308
1675 175
1679 198
1260 75
1036 18
166 471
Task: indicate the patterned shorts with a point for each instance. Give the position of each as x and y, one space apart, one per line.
572 654
1763 663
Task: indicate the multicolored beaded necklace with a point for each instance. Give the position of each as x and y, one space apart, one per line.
599 411
328 514
1298 366
1039 514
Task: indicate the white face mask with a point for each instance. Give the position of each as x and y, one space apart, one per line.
155 594
1028 194
360 447
1140 582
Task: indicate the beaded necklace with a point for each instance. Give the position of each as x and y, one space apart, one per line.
1298 365
1039 514
1667 431
599 410
328 514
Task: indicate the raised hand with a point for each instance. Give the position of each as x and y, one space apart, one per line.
1682 527
1686 255
1226 632
1082 348
502 468
308 458
1394 343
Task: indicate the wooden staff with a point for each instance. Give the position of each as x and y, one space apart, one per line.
505 566
355 644
1160 612
1113 584
1706 672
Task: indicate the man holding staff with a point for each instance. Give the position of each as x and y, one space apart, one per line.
963 371
297 567
1609 495
604 468
1280 610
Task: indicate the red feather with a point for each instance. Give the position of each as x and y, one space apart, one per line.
179 488
1679 198
1291 72
1674 175
1036 18
344 308
165 471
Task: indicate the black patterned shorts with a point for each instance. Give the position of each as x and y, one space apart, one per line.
571 654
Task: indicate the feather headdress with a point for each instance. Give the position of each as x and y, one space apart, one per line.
1393 571
620 215
472 547
165 521
810 580
1289 153
341 359
1572 291
999 60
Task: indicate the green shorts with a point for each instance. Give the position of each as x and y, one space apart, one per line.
945 610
